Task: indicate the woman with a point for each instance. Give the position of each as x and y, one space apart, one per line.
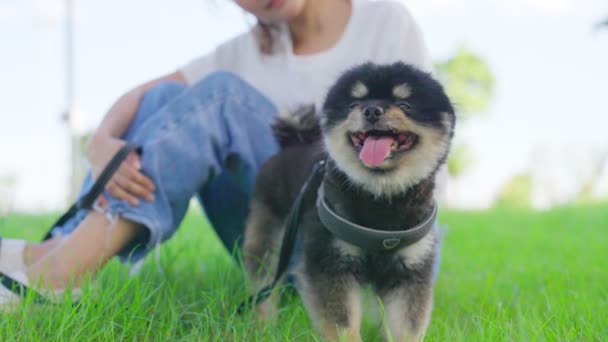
205 131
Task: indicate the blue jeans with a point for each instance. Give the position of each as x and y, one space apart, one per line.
208 141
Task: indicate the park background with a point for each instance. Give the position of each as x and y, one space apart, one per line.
528 78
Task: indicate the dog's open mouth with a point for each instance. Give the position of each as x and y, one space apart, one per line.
376 146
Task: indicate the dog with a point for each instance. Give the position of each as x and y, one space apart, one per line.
384 131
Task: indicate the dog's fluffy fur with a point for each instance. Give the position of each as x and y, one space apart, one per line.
396 193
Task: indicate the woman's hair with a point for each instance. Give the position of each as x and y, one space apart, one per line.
265 34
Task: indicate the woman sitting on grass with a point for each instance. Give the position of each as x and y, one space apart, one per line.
206 129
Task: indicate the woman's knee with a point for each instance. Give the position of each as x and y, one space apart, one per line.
162 93
228 88
223 83
152 101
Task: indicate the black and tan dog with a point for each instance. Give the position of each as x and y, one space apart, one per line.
384 131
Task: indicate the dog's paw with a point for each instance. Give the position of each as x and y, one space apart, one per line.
334 334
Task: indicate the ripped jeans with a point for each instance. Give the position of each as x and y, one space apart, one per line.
207 140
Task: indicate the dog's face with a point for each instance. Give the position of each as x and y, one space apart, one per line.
387 127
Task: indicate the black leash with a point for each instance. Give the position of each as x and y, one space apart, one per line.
87 201
289 240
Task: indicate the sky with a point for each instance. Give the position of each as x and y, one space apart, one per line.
548 112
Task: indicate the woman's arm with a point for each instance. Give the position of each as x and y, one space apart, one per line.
122 112
128 183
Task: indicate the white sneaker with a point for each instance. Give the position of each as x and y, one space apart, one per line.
15 286
11 255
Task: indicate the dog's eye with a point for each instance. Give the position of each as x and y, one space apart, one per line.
404 106
354 105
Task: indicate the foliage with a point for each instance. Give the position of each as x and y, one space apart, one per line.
469 82
460 159
597 166
517 192
8 182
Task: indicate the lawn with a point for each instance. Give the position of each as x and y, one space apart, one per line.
506 275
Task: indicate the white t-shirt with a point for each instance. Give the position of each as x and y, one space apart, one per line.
378 31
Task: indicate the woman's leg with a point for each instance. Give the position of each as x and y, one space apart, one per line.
84 251
152 101
225 201
190 141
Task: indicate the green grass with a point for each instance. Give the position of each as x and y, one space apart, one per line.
505 276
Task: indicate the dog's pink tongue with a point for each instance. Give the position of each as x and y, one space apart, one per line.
375 150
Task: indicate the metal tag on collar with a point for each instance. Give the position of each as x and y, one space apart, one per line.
389 244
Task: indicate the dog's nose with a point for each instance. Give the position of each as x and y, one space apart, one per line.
372 113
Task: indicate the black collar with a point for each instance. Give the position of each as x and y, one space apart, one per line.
367 238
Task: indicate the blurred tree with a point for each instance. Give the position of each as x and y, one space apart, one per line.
516 192
586 192
460 159
8 182
469 82
80 164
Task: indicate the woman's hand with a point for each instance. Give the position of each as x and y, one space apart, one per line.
128 182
